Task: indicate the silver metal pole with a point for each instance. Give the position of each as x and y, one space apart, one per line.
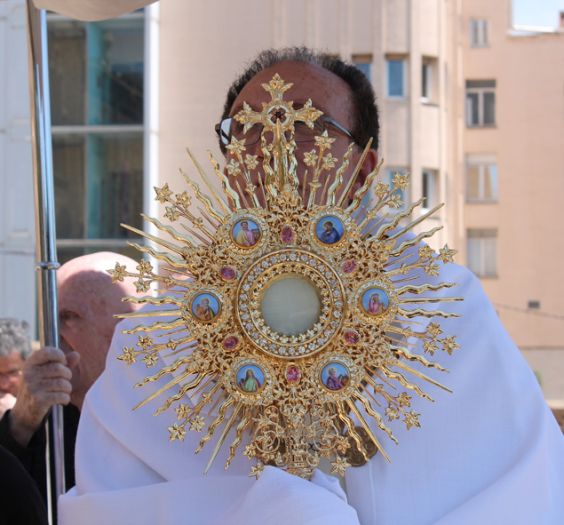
45 232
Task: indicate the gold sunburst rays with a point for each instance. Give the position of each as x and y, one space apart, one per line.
292 314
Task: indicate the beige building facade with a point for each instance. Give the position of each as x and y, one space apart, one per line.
513 146
416 129
471 107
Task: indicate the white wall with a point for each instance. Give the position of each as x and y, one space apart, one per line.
17 276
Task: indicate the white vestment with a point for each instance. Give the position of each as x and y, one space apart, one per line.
490 453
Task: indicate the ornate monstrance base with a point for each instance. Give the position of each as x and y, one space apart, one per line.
292 314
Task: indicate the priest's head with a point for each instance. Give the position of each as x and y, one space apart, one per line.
340 90
88 301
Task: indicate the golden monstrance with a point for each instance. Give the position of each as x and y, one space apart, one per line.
291 316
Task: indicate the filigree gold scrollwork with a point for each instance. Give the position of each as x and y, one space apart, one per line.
291 396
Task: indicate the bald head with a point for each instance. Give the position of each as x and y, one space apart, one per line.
88 300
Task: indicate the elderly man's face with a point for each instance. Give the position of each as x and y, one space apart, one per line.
88 301
86 326
10 373
328 92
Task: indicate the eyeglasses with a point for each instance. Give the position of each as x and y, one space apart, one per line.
11 374
229 127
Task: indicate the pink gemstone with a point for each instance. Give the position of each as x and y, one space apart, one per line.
228 273
349 266
351 337
230 342
293 374
287 234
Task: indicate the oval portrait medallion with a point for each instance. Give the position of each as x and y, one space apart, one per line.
250 378
205 307
329 230
246 233
335 376
374 301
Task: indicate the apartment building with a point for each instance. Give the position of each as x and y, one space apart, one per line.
470 106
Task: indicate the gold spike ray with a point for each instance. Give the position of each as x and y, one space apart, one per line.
228 426
203 176
367 429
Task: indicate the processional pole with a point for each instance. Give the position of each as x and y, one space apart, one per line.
45 235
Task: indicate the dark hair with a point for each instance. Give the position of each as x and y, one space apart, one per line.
365 118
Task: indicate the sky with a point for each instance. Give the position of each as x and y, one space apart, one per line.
537 12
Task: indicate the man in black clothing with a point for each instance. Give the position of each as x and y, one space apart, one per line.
88 301
20 501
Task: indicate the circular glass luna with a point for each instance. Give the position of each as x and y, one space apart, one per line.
290 305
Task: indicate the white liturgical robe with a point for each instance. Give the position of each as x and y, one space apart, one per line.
490 453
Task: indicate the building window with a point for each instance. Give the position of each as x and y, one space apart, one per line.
396 68
481 179
364 63
480 103
482 252
478 32
430 188
403 194
428 80
97 73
